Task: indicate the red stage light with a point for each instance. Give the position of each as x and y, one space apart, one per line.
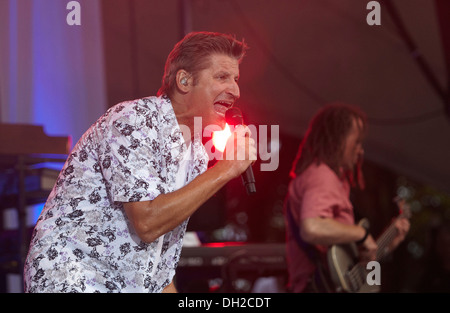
219 138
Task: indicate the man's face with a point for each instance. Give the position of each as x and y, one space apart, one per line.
216 90
353 149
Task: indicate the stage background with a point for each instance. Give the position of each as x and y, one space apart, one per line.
302 55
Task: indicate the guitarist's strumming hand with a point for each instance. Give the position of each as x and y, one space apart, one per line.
368 249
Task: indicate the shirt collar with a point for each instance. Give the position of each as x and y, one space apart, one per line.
175 141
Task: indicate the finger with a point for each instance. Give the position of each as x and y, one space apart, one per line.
253 154
243 130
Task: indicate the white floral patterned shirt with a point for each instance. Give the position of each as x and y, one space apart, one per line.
83 241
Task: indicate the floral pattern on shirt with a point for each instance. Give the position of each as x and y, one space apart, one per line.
83 241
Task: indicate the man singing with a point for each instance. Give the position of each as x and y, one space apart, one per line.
116 217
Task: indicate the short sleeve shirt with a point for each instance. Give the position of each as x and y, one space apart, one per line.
317 192
83 240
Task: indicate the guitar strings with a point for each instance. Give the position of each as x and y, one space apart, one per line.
358 272
384 241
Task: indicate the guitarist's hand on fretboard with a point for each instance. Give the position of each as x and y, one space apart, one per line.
402 225
368 249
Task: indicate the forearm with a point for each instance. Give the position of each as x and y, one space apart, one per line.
326 231
170 288
152 219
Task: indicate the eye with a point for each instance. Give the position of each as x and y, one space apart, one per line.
222 76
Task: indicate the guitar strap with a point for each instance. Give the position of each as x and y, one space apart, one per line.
320 282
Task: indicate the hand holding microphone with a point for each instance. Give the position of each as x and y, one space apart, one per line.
233 116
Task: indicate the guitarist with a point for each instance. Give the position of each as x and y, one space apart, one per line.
318 210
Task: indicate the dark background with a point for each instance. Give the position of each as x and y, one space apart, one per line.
302 55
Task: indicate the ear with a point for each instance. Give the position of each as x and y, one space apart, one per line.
183 80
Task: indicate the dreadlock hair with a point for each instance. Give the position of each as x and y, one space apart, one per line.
324 140
192 54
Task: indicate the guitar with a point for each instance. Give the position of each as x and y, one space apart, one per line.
346 272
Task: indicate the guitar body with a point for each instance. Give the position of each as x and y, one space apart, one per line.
346 273
343 260
345 270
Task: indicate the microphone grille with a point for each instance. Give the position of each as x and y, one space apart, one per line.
233 116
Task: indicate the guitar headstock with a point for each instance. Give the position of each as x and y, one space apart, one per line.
403 207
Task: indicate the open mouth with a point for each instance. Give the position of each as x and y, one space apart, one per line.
222 106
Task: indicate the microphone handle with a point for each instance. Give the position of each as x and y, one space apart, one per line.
233 116
249 180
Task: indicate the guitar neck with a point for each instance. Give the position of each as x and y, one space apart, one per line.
385 240
391 232
356 276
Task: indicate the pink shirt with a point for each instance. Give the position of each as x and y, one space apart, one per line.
317 192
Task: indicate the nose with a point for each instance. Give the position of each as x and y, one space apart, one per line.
234 90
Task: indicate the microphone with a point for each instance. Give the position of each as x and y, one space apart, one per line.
233 116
